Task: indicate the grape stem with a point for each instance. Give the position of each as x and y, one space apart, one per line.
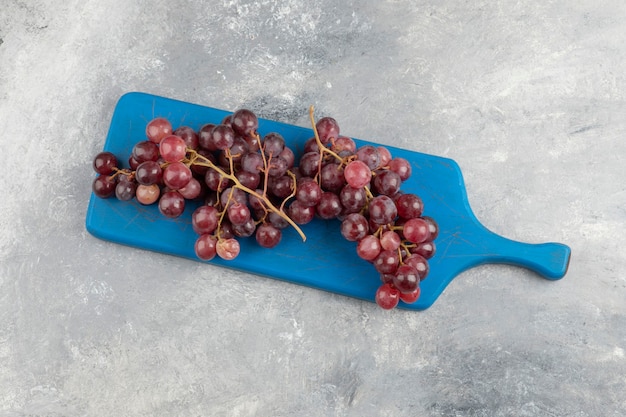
196 159
323 149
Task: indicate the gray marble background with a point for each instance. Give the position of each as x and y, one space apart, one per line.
527 96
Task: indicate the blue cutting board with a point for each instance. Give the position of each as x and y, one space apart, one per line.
326 261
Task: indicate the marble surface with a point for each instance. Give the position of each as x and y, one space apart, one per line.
527 96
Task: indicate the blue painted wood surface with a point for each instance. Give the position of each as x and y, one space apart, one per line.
326 261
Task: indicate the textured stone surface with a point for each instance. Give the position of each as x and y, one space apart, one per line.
527 96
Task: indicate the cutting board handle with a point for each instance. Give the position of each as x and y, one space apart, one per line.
550 260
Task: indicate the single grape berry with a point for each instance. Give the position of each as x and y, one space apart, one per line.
104 186
400 166
433 227
205 140
268 235
384 154
425 249
329 206
387 183
273 144
145 151
327 129
173 148
416 230
246 229
419 263
352 199
215 181
147 194
104 163
409 206
387 297
300 213
177 175
222 137
189 136
369 155
357 174
354 227
157 129
192 190
390 240
205 247
412 297
244 122
172 204
309 193
382 210
238 213
387 261
205 219
148 173
125 190
406 279
368 248
227 248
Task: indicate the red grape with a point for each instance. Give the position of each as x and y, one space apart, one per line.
353 199
300 213
387 297
228 249
412 297
387 261
382 210
147 194
205 247
104 186
309 193
177 175
327 129
368 248
416 230
104 163
244 122
148 173
369 155
357 174
238 213
384 154
268 235
125 190
409 206
172 204
157 129
173 148
401 167
406 279
329 206
273 144
189 136
390 240
205 219
387 183
433 227
332 177
354 227
192 190
145 151
419 263
222 137
425 249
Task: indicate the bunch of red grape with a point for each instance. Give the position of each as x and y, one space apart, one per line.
361 187
251 185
